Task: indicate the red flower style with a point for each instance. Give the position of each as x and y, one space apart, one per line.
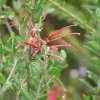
59 39
37 44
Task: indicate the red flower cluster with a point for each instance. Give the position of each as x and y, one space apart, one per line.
37 44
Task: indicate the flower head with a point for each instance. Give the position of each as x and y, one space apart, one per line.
36 44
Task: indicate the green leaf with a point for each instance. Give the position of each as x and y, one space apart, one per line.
99 3
63 54
94 47
26 1
55 71
26 94
86 83
5 14
93 76
91 98
97 13
16 4
2 79
1 66
94 44
1 49
2 2
8 86
38 3
13 42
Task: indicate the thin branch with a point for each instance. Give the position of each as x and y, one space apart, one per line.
39 88
10 76
58 57
9 27
19 27
21 87
63 87
44 77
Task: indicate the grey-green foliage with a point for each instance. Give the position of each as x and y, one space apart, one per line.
35 7
29 78
26 83
2 2
55 67
99 3
1 49
93 92
5 12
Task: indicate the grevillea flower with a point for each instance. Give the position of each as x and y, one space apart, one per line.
59 36
52 93
36 44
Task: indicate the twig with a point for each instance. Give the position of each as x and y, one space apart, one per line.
39 88
18 92
64 89
28 68
7 23
58 57
9 27
10 76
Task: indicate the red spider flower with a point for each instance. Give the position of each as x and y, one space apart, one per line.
59 36
52 93
34 43
55 92
37 44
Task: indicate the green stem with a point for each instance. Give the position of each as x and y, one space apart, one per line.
28 68
43 81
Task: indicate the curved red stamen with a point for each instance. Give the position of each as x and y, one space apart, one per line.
56 39
56 32
70 26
